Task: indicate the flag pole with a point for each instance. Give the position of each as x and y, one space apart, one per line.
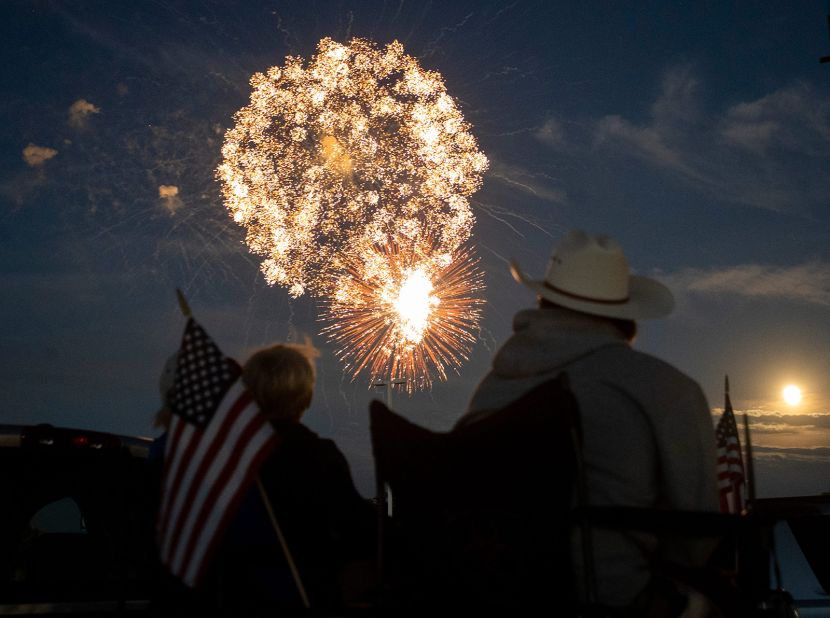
183 305
186 312
291 564
384 501
750 465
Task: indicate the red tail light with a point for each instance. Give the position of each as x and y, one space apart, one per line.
47 436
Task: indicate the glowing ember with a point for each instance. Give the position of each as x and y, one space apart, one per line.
357 146
406 311
414 304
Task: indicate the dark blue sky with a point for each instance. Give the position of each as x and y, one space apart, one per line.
698 134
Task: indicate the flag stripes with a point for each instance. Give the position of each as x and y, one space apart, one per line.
730 468
202 454
216 519
216 444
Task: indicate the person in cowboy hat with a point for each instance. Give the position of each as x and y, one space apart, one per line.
648 439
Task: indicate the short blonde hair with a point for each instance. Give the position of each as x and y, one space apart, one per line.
281 379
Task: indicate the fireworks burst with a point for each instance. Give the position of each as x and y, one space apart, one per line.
405 310
351 174
359 145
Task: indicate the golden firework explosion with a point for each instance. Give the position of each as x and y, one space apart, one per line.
403 310
358 145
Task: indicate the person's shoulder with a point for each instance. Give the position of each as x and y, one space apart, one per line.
308 440
655 385
633 362
294 431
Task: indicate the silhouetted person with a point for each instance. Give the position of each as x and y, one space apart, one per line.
647 430
161 420
327 525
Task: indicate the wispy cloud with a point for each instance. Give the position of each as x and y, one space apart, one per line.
776 418
673 114
35 156
79 111
551 133
817 454
808 282
540 185
771 152
790 423
795 119
773 429
791 471
646 142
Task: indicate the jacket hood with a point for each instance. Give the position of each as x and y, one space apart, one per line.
546 340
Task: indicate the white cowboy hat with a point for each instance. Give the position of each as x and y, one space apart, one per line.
590 274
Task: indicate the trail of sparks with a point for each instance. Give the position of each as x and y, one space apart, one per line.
406 312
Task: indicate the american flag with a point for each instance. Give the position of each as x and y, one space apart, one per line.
730 466
216 442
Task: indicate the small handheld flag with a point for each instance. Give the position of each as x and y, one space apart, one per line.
217 441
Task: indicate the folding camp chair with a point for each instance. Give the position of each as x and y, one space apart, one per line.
481 514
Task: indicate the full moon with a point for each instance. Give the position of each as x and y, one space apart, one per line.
792 394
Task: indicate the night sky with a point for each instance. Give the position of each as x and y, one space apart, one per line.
697 134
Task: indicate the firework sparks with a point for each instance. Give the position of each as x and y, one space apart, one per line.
406 311
358 145
351 174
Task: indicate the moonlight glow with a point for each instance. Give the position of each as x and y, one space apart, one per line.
355 147
792 394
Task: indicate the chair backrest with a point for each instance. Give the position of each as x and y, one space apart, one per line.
481 513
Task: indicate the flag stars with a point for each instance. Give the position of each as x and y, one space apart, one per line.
202 376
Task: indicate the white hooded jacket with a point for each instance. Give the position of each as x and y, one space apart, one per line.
647 430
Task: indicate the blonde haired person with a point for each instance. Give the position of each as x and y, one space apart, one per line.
327 525
281 379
